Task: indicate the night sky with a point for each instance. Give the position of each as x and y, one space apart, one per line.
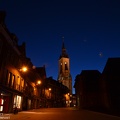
91 30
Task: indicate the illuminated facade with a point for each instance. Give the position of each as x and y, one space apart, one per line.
24 88
16 87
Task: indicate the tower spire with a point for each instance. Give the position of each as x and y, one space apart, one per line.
63 46
64 53
63 39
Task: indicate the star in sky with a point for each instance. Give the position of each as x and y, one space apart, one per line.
101 54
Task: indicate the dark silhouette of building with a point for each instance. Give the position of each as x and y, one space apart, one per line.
110 86
100 92
87 89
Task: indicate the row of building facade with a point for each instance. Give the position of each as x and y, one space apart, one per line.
25 90
100 91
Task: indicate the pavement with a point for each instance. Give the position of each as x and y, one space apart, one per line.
59 114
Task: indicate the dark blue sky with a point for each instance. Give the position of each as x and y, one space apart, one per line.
91 30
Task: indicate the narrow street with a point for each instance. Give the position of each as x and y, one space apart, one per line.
60 114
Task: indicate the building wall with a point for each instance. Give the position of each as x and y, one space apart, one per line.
19 89
10 79
110 86
87 90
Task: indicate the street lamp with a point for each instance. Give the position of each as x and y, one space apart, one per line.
49 89
38 82
24 69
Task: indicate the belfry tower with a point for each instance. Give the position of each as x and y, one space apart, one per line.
64 75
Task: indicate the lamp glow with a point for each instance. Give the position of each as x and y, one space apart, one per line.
24 69
49 89
38 82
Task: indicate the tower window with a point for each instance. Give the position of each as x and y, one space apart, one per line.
66 67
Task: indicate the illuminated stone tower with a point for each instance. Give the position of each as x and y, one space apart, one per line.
64 75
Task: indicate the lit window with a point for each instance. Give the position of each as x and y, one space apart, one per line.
1 108
18 101
22 83
66 67
9 77
2 101
13 79
1 104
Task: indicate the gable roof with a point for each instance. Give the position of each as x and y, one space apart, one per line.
112 66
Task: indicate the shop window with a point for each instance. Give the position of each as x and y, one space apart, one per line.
17 101
1 104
